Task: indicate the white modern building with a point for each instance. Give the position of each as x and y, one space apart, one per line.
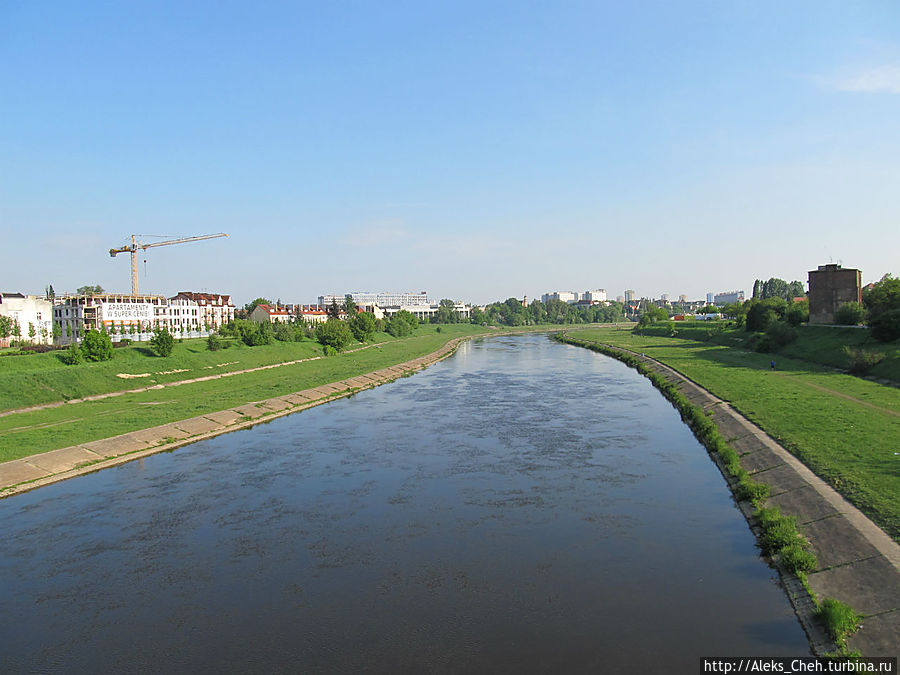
32 318
564 296
381 299
597 295
422 312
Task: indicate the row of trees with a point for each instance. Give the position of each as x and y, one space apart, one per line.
513 313
778 288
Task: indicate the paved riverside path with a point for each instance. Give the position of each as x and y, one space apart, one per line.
859 564
20 475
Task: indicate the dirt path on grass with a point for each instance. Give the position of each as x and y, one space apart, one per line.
177 383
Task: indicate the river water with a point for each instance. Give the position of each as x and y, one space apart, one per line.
522 506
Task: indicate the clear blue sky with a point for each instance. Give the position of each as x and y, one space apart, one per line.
476 150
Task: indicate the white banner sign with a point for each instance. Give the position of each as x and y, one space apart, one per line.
126 312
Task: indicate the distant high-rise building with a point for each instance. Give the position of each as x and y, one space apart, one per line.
682 298
598 295
720 299
565 296
629 295
710 299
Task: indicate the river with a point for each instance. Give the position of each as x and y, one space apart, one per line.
523 506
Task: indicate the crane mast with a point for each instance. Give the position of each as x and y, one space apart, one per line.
138 246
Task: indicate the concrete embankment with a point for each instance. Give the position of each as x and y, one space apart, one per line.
21 475
858 563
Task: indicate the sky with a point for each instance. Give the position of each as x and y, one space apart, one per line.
476 150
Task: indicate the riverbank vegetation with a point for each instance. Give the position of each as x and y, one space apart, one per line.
844 428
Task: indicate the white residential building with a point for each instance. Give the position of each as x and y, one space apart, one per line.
214 309
598 295
564 296
311 313
30 313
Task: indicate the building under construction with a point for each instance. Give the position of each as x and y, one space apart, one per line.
138 315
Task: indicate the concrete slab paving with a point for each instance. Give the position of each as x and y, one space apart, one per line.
198 425
277 404
64 459
878 636
761 460
19 471
780 479
156 435
836 542
317 393
295 399
870 586
250 411
747 443
117 445
224 417
730 426
804 503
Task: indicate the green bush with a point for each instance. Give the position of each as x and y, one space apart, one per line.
362 326
780 334
849 314
334 333
162 342
73 355
882 301
862 360
96 346
213 342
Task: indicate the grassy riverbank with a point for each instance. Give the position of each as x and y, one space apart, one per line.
27 433
842 427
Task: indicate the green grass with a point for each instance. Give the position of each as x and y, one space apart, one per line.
843 427
824 345
27 433
43 378
839 620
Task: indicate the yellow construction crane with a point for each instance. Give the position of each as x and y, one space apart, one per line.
136 246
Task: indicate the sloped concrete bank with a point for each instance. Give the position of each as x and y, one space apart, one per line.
32 472
858 563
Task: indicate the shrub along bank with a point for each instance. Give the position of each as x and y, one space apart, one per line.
779 538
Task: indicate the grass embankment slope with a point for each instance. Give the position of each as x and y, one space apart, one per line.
846 429
27 433
825 345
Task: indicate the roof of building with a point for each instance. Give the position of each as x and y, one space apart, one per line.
202 298
273 311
